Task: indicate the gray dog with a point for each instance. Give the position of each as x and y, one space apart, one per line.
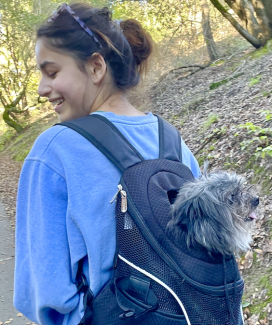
215 212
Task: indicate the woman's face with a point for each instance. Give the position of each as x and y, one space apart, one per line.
71 92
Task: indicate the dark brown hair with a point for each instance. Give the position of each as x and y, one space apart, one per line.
125 46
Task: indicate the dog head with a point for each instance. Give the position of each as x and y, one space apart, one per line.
216 212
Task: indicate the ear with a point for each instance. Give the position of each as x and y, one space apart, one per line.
199 220
96 68
183 214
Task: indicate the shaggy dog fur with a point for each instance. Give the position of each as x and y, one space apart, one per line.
216 212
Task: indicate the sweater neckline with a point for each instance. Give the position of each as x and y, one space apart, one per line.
143 119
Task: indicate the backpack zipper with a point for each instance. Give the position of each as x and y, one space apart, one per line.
120 188
123 201
123 198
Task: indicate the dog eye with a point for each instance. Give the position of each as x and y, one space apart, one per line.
232 198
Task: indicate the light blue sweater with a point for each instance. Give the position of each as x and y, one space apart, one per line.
64 214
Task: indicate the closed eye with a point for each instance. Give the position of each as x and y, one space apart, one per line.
52 75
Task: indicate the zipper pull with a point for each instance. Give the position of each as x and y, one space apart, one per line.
123 201
115 196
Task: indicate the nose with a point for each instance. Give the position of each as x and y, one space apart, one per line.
44 88
255 201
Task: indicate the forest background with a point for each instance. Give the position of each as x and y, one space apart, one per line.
210 76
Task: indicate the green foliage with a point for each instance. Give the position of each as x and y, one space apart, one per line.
254 81
261 139
18 71
267 93
18 146
208 154
224 81
175 25
261 52
5 138
246 304
212 148
264 281
201 160
218 84
268 115
258 306
212 118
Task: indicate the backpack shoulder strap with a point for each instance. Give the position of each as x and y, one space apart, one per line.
169 140
105 136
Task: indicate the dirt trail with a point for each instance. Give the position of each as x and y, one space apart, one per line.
9 175
8 314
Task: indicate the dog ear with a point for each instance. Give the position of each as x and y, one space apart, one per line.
198 219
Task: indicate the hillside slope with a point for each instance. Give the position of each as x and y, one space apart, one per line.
209 107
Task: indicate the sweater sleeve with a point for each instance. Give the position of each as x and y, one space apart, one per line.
189 160
44 288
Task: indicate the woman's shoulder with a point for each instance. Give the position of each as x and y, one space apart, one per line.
59 145
48 138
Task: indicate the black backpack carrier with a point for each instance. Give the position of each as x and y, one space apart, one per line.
156 281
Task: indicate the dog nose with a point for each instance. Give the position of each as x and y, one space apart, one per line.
255 201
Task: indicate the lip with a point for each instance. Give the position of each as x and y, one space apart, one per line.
57 108
51 100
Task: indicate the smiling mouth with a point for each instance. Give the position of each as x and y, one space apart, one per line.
58 102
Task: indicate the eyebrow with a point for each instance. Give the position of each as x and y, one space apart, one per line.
45 64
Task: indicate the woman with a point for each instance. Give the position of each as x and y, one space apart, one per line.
87 63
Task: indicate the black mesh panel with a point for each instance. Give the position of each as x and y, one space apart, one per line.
202 309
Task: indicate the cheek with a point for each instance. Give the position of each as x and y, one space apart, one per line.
61 86
68 87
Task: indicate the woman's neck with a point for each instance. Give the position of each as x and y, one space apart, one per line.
118 104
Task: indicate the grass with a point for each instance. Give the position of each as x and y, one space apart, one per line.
267 93
212 148
211 119
218 84
19 145
254 81
265 284
201 159
224 81
6 138
261 52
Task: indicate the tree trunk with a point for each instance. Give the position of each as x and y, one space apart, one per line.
268 9
11 108
250 38
10 121
263 19
207 31
245 11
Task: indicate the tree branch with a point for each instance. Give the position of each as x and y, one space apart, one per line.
251 39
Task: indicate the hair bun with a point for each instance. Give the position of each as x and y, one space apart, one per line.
140 41
106 13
